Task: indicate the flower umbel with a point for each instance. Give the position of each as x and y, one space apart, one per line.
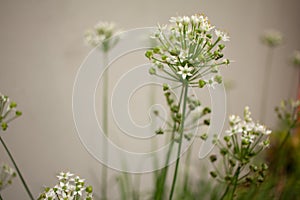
8 111
100 35
6 175
188 49
244 140
69 187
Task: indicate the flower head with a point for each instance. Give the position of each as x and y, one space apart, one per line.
296 58
69 187
6 176
187 49
100 35
8 111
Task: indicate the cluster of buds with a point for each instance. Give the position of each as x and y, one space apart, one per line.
8 111
100 36
244 140
69 187
6 175
196 113
190 48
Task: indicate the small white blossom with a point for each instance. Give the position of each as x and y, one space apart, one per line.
185 71
223 35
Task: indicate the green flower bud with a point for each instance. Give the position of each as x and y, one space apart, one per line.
264 166
4 126
202 83
156 50
221 46
175 109
213 174
213 158
223 151
209 36
149 54
159 131
253 168
152 71
204 136
13 105
227 138
218 79
89 189
206 122
165 87
232 162
18 113
206 110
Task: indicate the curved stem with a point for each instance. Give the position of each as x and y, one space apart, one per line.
185 85
17 169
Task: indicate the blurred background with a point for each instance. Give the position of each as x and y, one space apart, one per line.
42 47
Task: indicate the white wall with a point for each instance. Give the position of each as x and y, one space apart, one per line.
41 48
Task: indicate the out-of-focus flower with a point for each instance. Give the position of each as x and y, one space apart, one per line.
101 35
272 38
296 58
6 176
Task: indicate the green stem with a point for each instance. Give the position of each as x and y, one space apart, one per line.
265 86
225 193
1 197
236 177
185 85
17 169
105 124
162 178
186 173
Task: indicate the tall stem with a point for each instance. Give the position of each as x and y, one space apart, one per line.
18 171
265 86
162 178
185 85
105 123
236 177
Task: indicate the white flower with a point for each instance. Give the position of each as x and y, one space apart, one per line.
223 35
185 71
234 119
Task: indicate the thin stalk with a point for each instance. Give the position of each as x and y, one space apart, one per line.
186 173
0 197
225 193
17 169
162 179
105 124
236 177
265 86
185 85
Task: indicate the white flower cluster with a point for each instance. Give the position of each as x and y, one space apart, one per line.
69 187
189 48
6 175
7 107
100 34
249 131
